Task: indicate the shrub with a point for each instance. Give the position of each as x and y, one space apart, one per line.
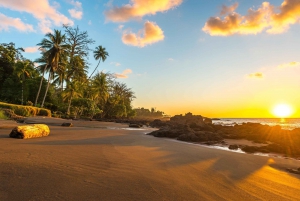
26 110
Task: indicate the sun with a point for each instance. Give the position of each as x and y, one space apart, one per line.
282 110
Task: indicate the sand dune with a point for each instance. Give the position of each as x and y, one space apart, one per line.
85 163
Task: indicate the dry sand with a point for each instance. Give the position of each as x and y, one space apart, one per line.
86 163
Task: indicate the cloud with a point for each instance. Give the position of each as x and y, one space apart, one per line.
288 65
31 49
41 10
90 22
267 18
115 63
170 59
256 75
139 8
228 9
124 74
76 12
7 22
151 33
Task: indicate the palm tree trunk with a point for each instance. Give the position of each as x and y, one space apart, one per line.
38 94
95 69
49 80
69 106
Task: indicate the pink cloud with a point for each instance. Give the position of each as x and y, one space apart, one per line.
7 22
41 10
76 12
139 8
267 18
124 74
151 33
31 49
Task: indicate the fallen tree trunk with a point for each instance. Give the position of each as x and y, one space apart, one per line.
30 131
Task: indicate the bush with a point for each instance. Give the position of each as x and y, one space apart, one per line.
2 115
26 111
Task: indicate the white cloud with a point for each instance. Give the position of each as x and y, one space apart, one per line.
115 63
90 22
170 59
7 22
124 74
76 12
46 14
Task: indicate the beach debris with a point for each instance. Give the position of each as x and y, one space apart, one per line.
67 124
30 131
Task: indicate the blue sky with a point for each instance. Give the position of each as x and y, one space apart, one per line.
214 58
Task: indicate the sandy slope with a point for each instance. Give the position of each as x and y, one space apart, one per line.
82 163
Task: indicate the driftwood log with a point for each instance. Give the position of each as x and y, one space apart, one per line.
30 131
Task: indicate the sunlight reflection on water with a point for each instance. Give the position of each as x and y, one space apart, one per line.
286 123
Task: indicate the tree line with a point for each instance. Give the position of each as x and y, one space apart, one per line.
68 90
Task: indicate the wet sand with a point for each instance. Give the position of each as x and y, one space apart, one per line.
104 161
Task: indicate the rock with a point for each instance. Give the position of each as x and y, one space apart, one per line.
157 123
207 120
189 119
30 131
135 125
293 170
66 124
233 147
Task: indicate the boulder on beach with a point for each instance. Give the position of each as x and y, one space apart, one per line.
135 125
30 131
67 124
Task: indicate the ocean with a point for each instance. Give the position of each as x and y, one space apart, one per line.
287 123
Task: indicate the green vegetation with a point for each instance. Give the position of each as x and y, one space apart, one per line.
68 90
146 113
2 115
26 111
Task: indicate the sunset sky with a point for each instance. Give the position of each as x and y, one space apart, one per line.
217 58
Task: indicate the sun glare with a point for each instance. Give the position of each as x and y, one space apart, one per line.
282 110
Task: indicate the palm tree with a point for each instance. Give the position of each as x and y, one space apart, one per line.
44 67
71 92
23 70
55 49
78 71
100 87
99 54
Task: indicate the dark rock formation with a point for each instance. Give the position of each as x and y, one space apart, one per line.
67 124
195 128
233 146
135 125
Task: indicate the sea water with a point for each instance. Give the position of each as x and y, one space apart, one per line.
287 123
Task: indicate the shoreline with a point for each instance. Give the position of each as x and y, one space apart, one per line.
86 163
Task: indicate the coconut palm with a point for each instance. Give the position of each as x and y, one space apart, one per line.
78 71
55 48
100 86
71 92
23 70
99 54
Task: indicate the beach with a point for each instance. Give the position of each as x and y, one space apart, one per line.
109 161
